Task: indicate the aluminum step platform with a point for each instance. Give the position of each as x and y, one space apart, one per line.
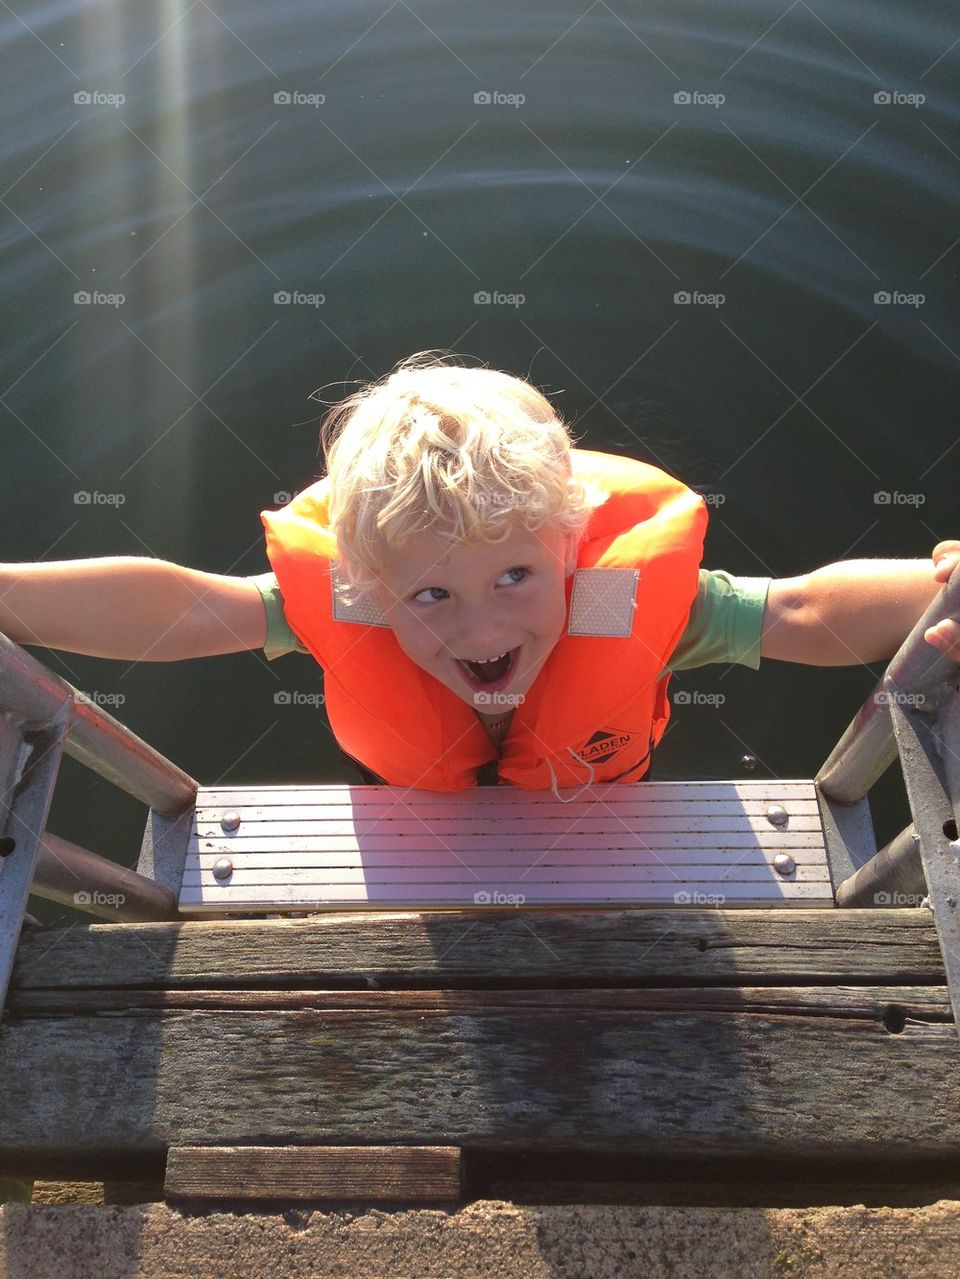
272 849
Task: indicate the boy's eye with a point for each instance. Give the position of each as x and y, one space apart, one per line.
427 589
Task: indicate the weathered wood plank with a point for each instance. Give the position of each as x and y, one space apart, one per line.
888 1004
517 947
394 1173
658 1082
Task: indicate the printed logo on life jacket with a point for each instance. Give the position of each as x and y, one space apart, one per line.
604 744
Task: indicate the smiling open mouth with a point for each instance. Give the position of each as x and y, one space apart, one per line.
490 677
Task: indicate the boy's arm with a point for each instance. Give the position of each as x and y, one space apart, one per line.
130 608
856 611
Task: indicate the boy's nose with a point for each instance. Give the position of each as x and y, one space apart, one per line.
476 636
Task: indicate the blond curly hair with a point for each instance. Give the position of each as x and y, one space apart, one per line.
439 446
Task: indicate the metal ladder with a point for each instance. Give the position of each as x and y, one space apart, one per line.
912 712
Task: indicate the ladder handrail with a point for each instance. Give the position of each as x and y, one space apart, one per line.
917 675
41 717
34 696
912 713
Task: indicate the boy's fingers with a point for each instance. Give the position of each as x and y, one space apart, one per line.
948 544
945 636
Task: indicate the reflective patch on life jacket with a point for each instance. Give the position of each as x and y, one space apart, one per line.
602 601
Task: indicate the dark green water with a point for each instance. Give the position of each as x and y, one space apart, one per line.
799 197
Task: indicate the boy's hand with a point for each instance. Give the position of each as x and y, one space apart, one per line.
946 634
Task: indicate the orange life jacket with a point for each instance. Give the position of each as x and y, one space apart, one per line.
596 709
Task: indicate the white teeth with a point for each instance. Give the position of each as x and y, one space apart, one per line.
485 659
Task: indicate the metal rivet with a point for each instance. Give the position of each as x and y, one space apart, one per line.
777 814
783 864
230 820
223 868
748 762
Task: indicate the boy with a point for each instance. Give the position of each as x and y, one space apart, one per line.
488 602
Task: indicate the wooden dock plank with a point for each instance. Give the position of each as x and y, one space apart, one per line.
790 1035
874 1003
390 1173
669 1081
453 949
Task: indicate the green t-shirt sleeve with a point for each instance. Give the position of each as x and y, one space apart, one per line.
725 622
280 638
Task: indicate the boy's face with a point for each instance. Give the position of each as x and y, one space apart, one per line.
476 601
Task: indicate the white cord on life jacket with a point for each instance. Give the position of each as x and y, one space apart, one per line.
588 782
